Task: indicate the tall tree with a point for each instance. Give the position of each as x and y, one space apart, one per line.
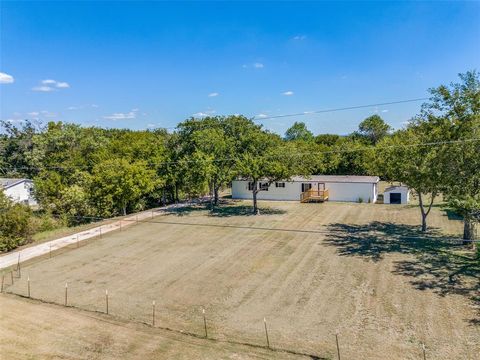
453 112
298 131
403 158
374 128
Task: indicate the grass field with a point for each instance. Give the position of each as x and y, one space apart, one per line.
311 269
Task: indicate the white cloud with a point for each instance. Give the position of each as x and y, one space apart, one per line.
308 112
6 79
43 88
72 108
121 116
384 111
34 113
213 94
288 93
49 85
261 115
94 106
200 114
258 65
300 37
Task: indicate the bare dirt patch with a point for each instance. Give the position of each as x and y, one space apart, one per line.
310 269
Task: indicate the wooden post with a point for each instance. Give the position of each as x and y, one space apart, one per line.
66 294
50 253
3 282
152 214
153 313
266 332
424 353
106 300
28 285
205 323
338 348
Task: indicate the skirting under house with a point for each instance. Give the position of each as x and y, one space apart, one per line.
314 188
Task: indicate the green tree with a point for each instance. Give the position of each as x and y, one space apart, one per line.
264 161
298 131
374 128
15 224
403 158
118 185
453 113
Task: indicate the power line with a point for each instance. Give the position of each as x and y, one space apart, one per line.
338 151
257 118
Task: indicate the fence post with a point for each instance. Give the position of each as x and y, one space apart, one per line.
100 231
424 352
19 273
106 300
66 294
11 275
205 323
266 332
50 253
28 285
153 313
3 282
152 214
338 347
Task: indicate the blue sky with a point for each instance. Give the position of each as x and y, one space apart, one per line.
153 64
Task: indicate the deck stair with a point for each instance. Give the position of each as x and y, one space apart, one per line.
312 195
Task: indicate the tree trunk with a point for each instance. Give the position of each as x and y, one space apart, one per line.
215 190
176 194
124 208
423 211
256 211
469 231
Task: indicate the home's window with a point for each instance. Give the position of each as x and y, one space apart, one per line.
264 186
280 184
250 185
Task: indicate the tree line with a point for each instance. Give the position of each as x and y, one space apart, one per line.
82 172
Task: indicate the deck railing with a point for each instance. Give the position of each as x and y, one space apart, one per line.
311 195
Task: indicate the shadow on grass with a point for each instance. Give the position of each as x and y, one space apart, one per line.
224 209
437 263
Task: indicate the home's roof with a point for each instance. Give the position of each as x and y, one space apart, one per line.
338 179
333 179
6 183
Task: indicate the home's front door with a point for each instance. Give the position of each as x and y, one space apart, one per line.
321 186
306 186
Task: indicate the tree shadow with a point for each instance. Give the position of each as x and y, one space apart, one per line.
440 263
223 209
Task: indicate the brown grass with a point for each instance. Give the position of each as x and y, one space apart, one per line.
310 269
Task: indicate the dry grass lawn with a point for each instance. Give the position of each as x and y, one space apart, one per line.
311 269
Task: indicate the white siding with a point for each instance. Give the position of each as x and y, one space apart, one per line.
347 191
21 193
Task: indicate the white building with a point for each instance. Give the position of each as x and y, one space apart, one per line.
19 190
314 188
396 195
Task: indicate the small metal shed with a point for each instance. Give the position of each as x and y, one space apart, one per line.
396 195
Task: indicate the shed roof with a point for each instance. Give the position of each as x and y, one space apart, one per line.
396 188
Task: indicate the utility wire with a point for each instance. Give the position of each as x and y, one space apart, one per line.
299 154
338 109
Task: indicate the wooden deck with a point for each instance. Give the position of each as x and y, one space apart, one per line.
314 196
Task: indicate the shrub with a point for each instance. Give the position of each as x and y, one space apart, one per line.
15 224
360 200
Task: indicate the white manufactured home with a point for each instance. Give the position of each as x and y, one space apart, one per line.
314 188
19 190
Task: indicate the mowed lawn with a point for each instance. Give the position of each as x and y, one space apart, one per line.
310 269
